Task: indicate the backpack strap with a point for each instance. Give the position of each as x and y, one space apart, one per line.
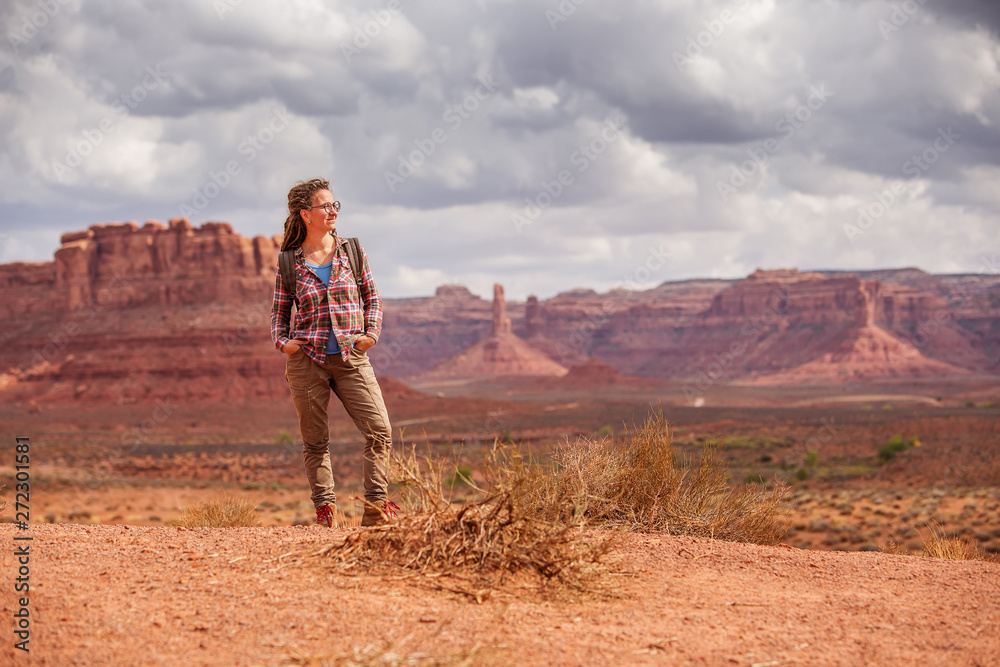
286 267
354 259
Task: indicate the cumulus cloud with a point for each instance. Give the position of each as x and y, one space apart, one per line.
540 144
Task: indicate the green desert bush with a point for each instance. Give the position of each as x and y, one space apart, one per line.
606 431
896 444
225 512
750 442
461 475
805 472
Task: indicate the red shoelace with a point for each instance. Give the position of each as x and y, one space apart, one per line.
390 508
324 516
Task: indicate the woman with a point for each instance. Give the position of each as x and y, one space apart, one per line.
337 319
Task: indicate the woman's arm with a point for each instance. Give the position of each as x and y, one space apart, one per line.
281 312
372 301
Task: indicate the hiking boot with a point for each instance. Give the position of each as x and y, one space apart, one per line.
379 513
324 515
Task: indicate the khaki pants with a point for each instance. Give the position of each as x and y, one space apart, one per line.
355 385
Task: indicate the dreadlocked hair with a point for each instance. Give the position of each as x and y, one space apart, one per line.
300 197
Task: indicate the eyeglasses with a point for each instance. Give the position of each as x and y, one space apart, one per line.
329 208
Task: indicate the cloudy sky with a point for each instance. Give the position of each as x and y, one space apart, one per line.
546 145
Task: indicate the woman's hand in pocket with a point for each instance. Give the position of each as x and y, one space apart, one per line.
364 343
292 346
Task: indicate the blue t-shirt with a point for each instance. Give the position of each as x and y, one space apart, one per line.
323 273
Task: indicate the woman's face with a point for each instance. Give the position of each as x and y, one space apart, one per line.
322 216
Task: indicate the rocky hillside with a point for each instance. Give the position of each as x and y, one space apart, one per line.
130 313
853 326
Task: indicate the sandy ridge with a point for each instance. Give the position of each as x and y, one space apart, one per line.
112 594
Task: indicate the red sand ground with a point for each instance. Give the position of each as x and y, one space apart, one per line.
115 594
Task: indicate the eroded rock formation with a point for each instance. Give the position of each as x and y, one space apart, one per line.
500 353
125 265
501 323
128 313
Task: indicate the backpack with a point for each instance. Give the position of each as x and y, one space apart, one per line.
286 267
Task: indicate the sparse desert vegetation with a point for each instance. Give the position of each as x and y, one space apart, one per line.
896 445
531 516
839 495
939 544
870 518
517 515
641 483
952 547
664 597
474 546
227 511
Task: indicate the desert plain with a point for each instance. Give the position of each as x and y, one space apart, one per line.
116 583
150 390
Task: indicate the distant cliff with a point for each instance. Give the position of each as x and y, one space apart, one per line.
767 324
125 265
131 313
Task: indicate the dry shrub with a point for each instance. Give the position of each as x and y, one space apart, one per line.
896 548
531 517
479 544
225 512
940 545
640 484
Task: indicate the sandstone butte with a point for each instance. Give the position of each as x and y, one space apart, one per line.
500 353
129 313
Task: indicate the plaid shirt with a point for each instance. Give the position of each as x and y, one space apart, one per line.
314 318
